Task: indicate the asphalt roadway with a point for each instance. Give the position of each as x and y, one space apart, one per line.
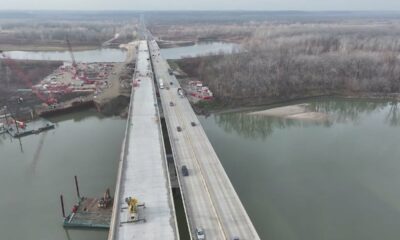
210 200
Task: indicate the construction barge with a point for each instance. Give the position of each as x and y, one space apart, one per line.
89 212
19 129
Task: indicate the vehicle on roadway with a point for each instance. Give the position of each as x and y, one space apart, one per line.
180 92
178 129
185 171
193 124
161 83
200 234
171 104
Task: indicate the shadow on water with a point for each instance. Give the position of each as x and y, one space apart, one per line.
77 116
36 156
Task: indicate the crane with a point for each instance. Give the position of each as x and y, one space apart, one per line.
74 64
14 67
71 52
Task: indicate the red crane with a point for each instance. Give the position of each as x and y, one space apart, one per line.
75 65
71 52
15 68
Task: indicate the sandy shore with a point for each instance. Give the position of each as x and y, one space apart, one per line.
298 111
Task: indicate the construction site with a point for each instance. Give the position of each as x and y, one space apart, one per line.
28 95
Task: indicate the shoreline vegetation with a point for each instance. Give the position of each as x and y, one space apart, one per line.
288 62
217 107
42 31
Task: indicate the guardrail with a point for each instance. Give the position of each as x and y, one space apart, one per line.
116 213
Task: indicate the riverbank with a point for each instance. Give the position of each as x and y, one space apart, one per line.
46 47
217 106
103 85
174 44
187 69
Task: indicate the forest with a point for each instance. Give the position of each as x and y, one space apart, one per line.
50 29
282 62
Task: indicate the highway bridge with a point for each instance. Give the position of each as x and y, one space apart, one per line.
209 199
142 172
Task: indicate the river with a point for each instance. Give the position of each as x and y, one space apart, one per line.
35 171
201 48
297 179
118 55
335 179
98 55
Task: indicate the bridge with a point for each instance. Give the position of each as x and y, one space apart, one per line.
142 172
209 199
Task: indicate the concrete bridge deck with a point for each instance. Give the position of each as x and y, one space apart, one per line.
143 172
210 200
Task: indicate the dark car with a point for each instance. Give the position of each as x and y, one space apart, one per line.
178 129
193 124
185 171
171 104
200 234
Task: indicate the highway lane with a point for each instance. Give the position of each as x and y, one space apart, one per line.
210 198
199 208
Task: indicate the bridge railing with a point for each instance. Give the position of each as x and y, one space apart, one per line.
116 213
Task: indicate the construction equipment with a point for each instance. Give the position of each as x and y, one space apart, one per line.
71 52
106 200
133 205
20 124
78 73
14 67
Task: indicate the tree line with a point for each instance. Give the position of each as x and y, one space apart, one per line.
289 61
79 33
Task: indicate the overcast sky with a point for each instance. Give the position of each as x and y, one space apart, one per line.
200 5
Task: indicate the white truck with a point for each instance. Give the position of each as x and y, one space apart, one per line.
161 83
180 92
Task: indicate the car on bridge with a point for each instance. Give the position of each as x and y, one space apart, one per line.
171 104
185 171
200 234
193 124
179 129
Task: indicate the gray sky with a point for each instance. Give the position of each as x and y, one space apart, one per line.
200 5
